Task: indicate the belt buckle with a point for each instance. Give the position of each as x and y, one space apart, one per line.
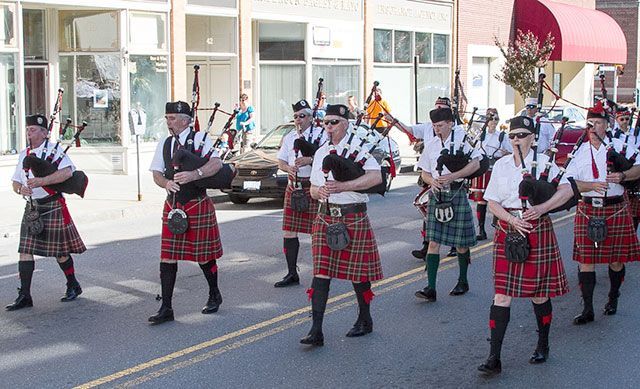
335 211
597 202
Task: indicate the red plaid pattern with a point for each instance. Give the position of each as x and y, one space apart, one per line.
201 243
358 262
478 186
301 222
621 244
60 236
634 204
541 275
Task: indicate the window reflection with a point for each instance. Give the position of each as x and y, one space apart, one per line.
89 30
8 135
382 46
148 80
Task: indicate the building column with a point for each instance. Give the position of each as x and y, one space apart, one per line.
367 63
245 49
178 58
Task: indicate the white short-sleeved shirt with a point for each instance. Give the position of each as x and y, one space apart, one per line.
287 154
429 158
20 176
318 179
157 164
632 140
547 132
492 147
580 167
506 177
425 131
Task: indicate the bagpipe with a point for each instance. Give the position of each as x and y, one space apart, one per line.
302 145
316 105
48 164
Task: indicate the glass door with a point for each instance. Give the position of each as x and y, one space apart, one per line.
36 79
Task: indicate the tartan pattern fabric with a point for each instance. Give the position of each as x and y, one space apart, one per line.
301 222
541 275
478 186
201 243
634 203
458 232
621 244
60 236
358 262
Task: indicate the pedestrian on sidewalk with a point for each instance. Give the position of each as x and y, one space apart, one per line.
189 225
59 237
245 121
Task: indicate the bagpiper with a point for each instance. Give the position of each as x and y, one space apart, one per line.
629 135
547 130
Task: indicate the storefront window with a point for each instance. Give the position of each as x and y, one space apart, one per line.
432 83
89 30
280 86
34 35
7 30
423 47
402 46
147 31
8 134
440 49
92 94
345 81
211 34
148 80
281 41
382 43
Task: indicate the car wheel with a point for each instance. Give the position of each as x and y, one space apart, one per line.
237 199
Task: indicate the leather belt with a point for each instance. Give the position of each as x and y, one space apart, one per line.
48 199
603 201
338 210
304 182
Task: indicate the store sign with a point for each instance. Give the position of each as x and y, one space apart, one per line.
337 40
414 14
333 9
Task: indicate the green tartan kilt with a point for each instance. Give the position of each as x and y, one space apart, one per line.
459 232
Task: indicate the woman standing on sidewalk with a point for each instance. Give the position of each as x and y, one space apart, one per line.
245 122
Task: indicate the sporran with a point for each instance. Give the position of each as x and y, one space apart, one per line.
516 247
177 221
299 200
443 211
33 219
597 229
337 236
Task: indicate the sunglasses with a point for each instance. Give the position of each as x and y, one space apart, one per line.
331 122
623 119
530 106
519 135
300 116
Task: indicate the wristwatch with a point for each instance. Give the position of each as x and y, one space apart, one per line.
200 173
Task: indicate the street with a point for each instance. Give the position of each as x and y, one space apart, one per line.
103 338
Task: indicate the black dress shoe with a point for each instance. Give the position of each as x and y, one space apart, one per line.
419 254
427 293
539 356
213 304
163 315
289 279
491 367
360 328
22 301
481 236
461 287
611 307
583 318
452 253
72 293
313 339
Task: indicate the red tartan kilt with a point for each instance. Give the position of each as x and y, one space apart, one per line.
634 204
301 222
201 243
358 262
621 244
478 186
541 275
60 236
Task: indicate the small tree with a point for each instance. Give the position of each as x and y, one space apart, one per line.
522 57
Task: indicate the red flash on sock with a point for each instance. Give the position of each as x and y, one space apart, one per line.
214 268
69 271
423 233
310 293
284 250
492 324
547 319
368 296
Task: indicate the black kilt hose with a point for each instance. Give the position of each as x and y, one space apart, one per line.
541 274
300 222
621 244
459 232
201 242
358 262
59 237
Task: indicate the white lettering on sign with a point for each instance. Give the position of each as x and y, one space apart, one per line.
338 5
391 10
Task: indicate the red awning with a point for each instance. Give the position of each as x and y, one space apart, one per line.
581 34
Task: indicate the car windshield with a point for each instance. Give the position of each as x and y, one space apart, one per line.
555 115
273 139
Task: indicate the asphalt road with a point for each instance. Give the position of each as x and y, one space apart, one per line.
103 338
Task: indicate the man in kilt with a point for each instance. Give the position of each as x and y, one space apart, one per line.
201 241
59 238
447 187
493 145
541 275
630 137
602 203
359 260
291 160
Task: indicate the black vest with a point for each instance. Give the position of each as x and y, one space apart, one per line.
188 191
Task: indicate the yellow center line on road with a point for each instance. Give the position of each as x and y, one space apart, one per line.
244 331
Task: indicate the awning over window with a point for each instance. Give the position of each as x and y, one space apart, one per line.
581 34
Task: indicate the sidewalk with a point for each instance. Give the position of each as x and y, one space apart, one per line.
108 197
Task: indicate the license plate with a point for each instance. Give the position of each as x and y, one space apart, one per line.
251 185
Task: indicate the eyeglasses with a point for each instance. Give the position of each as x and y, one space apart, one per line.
519 135
530 106
623 119
300 116
333 122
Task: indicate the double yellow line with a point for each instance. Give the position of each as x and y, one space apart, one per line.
380 287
